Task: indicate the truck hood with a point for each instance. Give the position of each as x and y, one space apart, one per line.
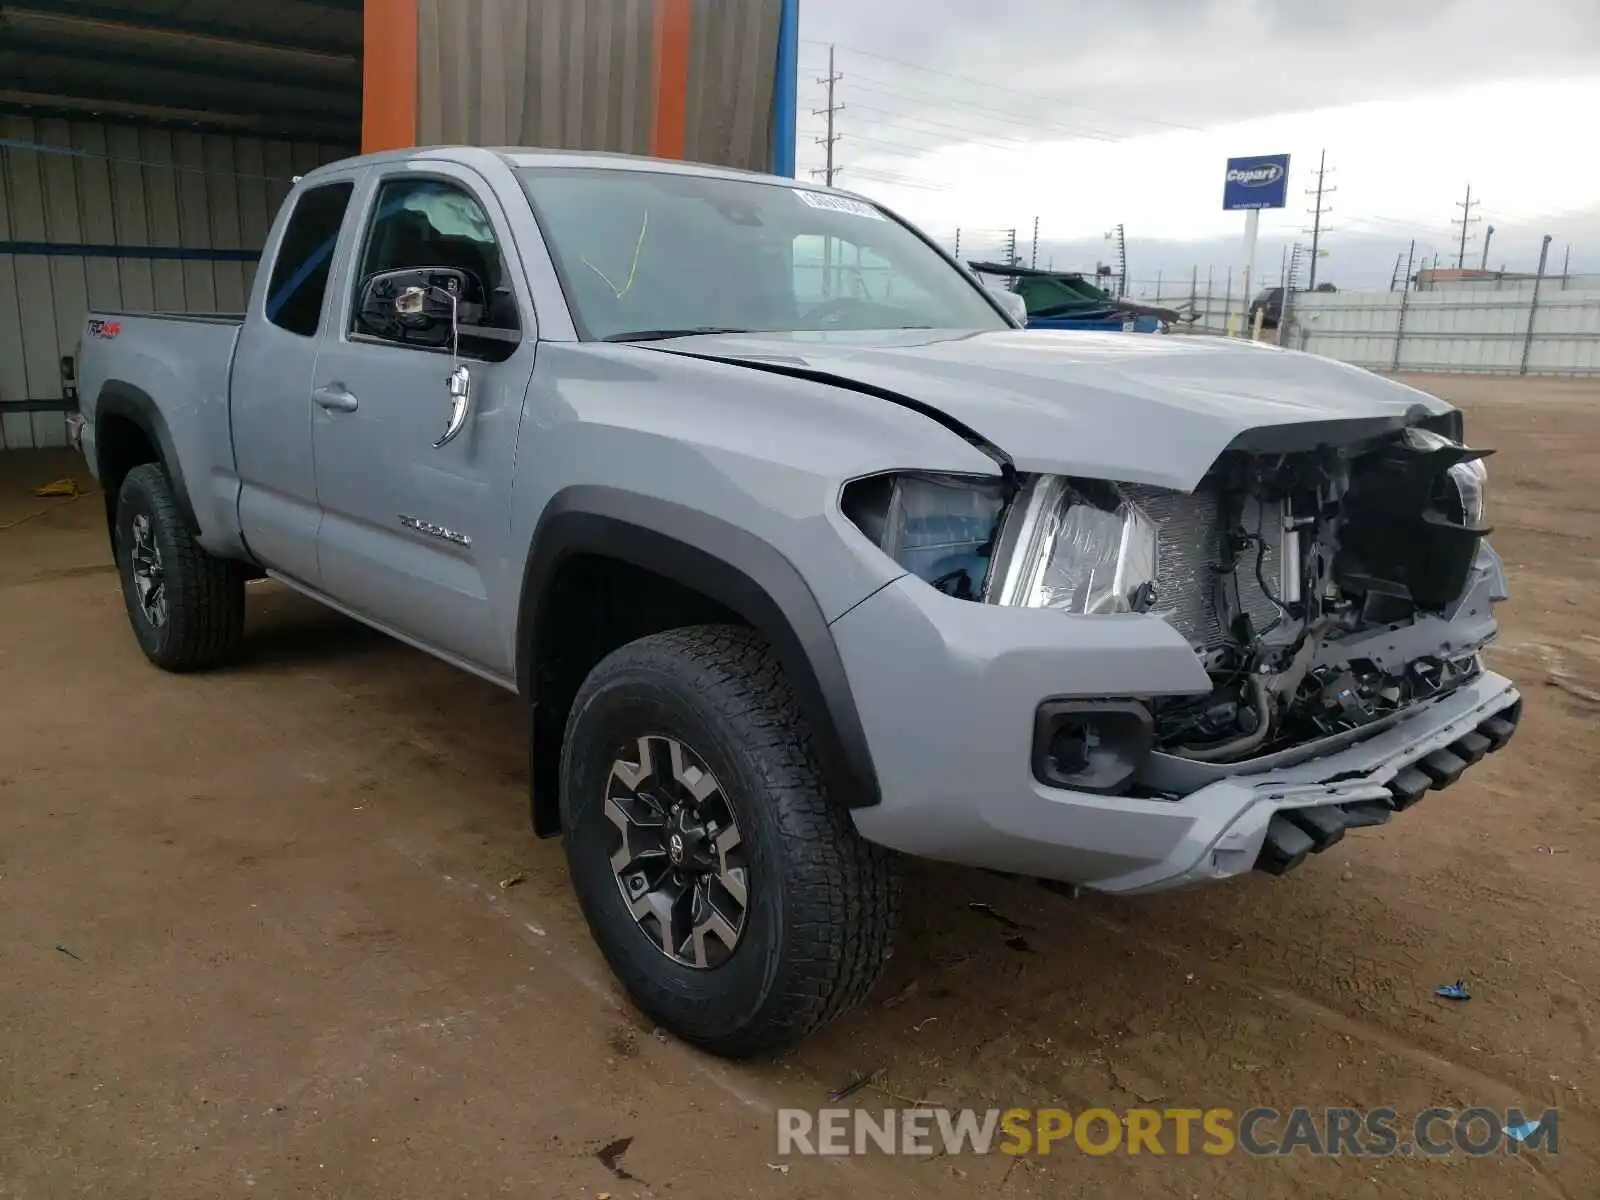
1139 408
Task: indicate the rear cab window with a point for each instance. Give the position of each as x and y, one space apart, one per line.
299 279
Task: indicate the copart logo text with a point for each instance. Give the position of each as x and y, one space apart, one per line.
1256 176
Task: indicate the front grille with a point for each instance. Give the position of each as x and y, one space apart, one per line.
1191 547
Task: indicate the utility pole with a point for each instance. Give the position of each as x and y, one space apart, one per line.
1466 220
1488 236
1035 262
832 80
957 254
1318 208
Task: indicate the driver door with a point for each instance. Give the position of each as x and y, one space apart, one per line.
412 529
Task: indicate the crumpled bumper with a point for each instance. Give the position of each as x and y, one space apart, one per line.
948 689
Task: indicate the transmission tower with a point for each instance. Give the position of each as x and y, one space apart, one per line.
1466 220
1035 262
1320 192
1011 248
1119 236
828 142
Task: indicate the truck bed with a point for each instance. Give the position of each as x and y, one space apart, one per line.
174 368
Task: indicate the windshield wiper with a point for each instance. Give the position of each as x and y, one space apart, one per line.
656 335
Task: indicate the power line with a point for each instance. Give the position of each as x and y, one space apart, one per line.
1466 220
1319 192
969 80
889 88
938 126
896 179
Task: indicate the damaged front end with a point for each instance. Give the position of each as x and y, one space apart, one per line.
1327 591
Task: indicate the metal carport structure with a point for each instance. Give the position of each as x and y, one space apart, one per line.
145 145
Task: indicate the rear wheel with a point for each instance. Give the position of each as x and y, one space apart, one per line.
186 606
730 894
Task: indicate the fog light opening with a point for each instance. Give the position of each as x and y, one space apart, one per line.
1090 746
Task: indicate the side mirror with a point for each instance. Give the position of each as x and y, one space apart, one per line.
421 306
1015 306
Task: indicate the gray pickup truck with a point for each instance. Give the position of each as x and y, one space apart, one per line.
804 554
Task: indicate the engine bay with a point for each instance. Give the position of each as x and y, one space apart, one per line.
1372 538
1320 588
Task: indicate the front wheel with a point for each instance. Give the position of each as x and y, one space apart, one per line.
186 606
730 894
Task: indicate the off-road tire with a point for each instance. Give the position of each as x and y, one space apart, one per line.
204 595
824 903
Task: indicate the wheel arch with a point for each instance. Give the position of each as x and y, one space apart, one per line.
129 431
732 570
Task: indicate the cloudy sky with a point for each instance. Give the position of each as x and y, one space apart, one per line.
984 115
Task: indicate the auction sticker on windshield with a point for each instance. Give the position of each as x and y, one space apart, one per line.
844 204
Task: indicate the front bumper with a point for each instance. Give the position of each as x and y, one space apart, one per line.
947 690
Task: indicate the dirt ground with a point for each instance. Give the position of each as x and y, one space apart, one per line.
254 938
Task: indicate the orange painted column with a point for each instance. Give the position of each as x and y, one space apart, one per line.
388 75
672 22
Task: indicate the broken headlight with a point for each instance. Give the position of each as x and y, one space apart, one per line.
941 528
1468 479
1471 481
1076 546
1082 548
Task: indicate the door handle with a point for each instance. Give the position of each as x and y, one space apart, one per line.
459 383
335 398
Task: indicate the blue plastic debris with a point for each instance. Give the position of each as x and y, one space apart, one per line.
1453 991
1522 1130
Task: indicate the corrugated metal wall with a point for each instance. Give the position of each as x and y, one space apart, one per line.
567 74
112 185
578 74
1456 329
732 62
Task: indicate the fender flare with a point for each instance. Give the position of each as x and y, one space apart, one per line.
132 403
729 565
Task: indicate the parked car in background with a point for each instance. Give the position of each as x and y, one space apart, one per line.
802 553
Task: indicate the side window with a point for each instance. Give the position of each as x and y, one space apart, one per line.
300 274
430 223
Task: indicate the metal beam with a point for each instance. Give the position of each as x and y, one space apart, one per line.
101 250
156 61
125 20
146 116
43 81
58 404
145 112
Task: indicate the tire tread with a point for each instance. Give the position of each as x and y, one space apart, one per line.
844 890
205 594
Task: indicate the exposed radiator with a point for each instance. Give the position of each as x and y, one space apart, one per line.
1190 548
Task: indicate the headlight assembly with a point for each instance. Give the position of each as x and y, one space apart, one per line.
941 528
1075 546
1472 490
1080 548
1469 480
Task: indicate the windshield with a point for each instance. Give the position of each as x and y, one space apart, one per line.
645 253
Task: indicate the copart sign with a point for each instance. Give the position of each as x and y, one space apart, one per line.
1259 182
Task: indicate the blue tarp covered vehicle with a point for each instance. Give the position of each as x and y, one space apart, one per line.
1066 300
